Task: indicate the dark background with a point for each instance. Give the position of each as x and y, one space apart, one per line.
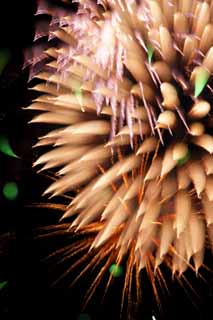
28 291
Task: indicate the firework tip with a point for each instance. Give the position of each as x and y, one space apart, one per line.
200 77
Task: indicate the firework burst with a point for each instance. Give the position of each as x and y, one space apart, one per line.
129 85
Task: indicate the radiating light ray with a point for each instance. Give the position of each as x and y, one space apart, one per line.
126 89
69 270
74 251
3 284
127 283
63 251
149 268
96 282
162 280
185 284
48 205
108 253
93 263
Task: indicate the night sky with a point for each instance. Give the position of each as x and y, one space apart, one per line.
26 279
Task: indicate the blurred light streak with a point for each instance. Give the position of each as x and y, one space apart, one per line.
3 284
5 147
4 58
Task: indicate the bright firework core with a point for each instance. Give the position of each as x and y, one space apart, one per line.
129 85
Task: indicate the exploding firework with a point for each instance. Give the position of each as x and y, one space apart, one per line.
129 85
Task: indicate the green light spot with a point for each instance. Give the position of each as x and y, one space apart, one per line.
10 190
78 92
150 52
116 270
4 58
201 80
83 316
3 284
180 162
5 147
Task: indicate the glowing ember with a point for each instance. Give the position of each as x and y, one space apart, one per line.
116 270
10 190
